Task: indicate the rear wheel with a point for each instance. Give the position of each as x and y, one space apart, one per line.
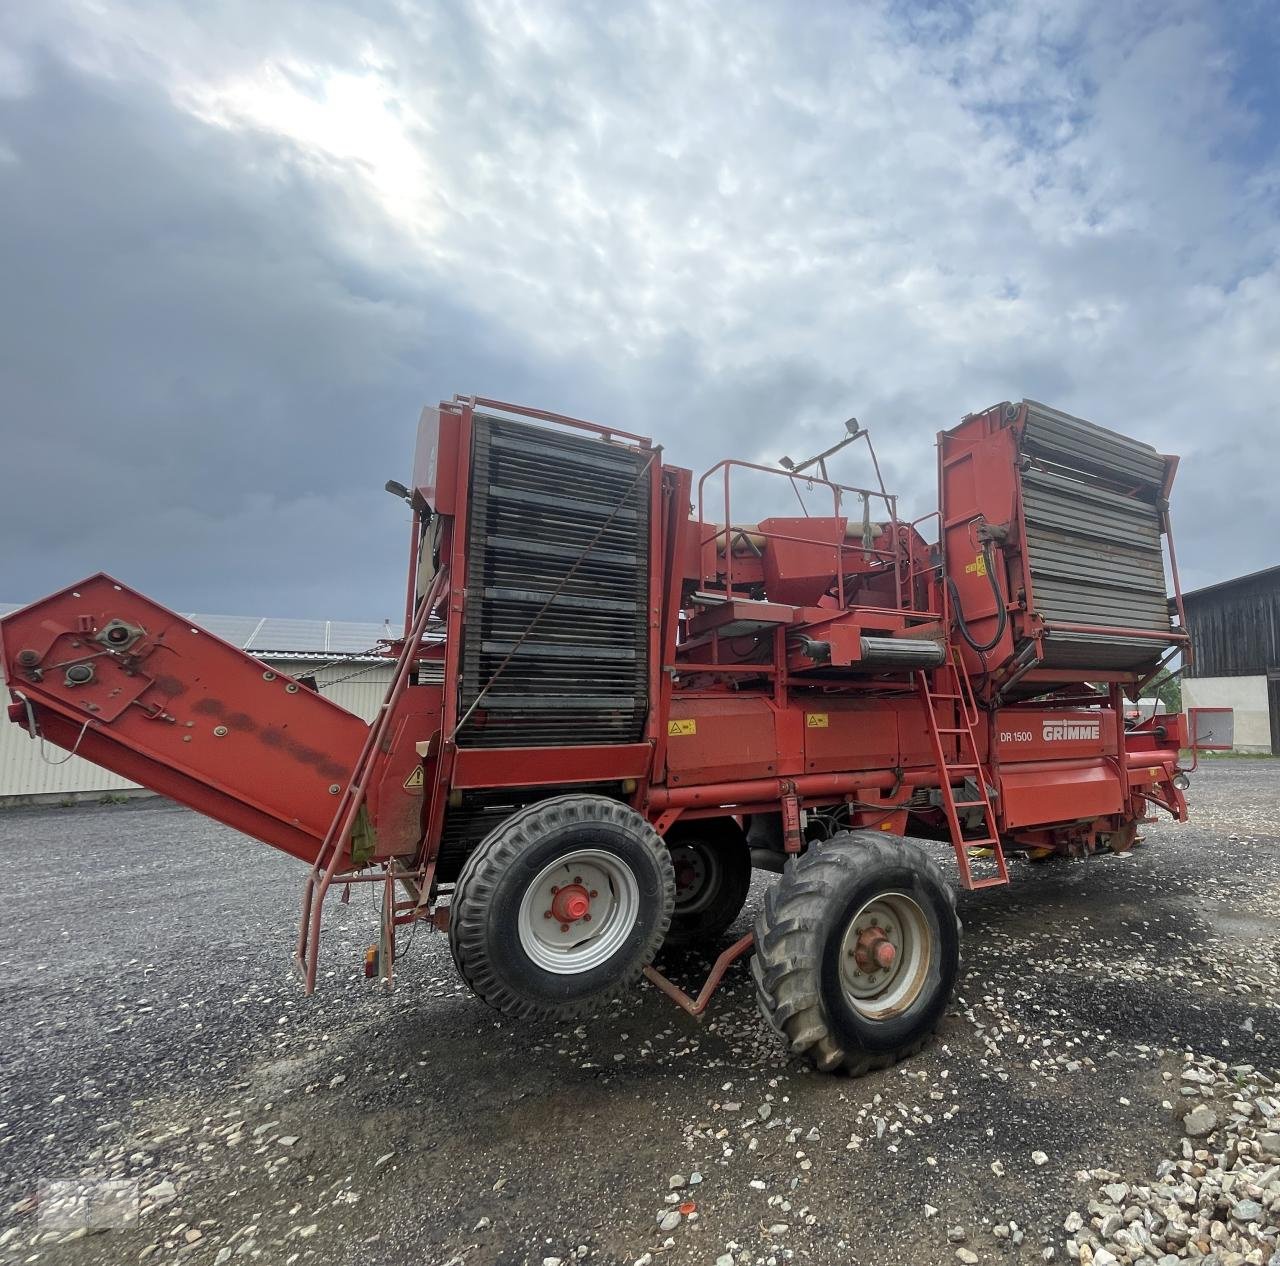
857 950
560 907
713 875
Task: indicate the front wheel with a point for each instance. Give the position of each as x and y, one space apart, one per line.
857 951
561 907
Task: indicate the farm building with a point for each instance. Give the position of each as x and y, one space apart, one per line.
336 652
1235 629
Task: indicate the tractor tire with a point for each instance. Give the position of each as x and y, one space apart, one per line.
713 876
561 907
857 950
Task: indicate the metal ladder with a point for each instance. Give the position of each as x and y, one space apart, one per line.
956 719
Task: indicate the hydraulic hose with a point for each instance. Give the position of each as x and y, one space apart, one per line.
1002 616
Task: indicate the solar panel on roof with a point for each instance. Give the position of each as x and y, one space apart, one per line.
236 629
344 636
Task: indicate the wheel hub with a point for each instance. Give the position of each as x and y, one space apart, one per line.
885 955
698 873
578 911
874 950
570 903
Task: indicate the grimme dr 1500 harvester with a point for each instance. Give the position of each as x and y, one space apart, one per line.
615 696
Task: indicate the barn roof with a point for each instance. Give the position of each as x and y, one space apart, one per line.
1272 573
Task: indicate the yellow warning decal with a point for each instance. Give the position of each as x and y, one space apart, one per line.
816 720
679 729
978 567
414 781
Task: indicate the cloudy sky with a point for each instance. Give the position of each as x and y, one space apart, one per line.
242 244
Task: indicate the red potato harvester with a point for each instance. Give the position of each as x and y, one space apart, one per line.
615 697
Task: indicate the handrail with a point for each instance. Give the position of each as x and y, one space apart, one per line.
914 526
727 528
561 419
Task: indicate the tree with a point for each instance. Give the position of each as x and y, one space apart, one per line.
1167 687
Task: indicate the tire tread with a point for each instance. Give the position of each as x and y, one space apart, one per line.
477 883
789 937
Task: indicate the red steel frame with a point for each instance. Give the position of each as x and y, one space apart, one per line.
881 712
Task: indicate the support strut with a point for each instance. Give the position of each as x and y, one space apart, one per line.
696 1006
337 840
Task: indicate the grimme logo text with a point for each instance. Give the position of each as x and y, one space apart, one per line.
1054 731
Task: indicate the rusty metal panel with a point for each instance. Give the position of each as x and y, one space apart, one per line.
840 736
25 772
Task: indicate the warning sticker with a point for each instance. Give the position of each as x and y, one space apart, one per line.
816 720
678 729
414 781
978 567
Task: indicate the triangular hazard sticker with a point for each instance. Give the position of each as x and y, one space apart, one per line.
414 781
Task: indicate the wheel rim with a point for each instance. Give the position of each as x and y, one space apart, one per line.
885 955
698 871
578 911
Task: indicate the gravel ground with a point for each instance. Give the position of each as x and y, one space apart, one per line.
151 1031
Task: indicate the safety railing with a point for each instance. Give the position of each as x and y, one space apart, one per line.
560 419
841 546
915 573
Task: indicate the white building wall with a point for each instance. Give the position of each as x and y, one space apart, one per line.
1245 696
26 775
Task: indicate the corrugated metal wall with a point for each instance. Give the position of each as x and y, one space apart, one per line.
23 772
356 687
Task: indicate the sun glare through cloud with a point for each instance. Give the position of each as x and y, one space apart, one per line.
353 119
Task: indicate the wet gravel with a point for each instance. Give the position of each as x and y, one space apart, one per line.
155 1050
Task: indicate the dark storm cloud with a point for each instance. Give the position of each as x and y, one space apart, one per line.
242 247
201 394
205 392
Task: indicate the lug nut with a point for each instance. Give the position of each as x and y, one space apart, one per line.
564 927
594 894
546 914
